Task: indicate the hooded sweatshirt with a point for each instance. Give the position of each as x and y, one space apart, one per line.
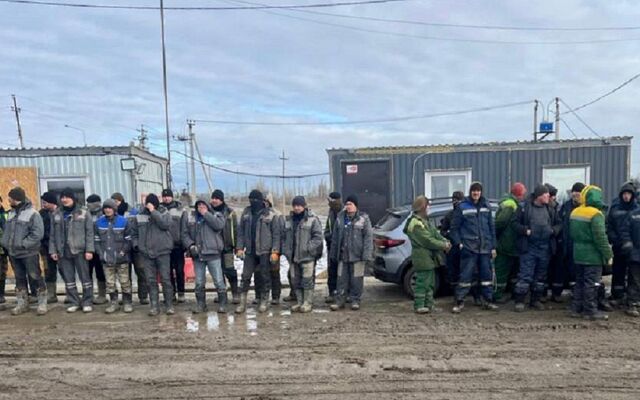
587 226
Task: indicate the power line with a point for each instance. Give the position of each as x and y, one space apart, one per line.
250 174
369 121
204 8
572 110
569 128
436 38
610 92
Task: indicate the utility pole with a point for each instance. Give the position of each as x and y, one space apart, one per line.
142 138
194 191
535 120
557 124
284 190
204 169
166 97
16 109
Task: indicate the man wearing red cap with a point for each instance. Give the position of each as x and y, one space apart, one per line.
506 263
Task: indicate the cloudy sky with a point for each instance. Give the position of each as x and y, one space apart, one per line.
100 70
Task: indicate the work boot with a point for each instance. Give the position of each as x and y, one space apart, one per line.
181 298
201 302
127 301
355 306
632 311
22 306
330 299
605 306
275 302
264 303
101 298
87 309
490 306
458 307
422 310
537 305
154 300
339 304
222 301
42 302
597 316
242 306
291 296
519 307
307 304
72 309
113 304
300 300
51 293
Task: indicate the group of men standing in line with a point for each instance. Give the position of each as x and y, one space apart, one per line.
108 239
537 245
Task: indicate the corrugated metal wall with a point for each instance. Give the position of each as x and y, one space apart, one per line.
609 165
104 172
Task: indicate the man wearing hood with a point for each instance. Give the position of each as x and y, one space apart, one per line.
94 205
71 244
335 206
23 232
113 243
176 211
151 236
537 227
302 246
566 276
230 238
473 232
202 236
507 260
276 284
591 251
135 262
259 246
619 233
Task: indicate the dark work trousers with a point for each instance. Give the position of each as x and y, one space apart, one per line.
633 285
585 291
350 281
332 279
229 271
28 266
72 265
453 274
566 275
96 265
619 275
154 267
276 285
4 267
258 267
556 273
533 272
470 265
302 275
137 264
177 270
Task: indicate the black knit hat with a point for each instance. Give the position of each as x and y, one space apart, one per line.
167 193
457 196
540 190
256 195
49 197
153 199
94 198
68 192
218 194
577 187
475 186
18 194
553 191
352 198
335 195
299 201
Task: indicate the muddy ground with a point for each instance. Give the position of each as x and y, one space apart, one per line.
384 351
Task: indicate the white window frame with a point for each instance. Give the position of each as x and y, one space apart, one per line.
585 167
84 178
448 172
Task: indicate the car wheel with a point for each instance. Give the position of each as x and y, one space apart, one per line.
409 282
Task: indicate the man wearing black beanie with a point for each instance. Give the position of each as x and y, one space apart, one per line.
72 245
177 211
229 238
94 205
49 203
151 236
259 246
335 206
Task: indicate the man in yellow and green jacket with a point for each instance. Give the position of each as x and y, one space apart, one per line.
591 250
426 242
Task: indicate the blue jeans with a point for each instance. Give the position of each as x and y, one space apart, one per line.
470 264
215 269
533 272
